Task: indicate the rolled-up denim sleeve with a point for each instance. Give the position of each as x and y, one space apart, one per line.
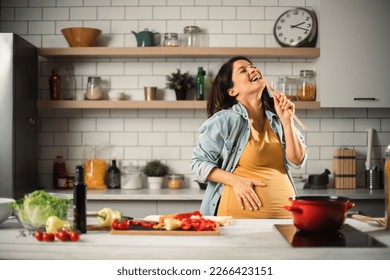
206 154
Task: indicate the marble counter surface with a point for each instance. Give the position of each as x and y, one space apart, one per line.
241 240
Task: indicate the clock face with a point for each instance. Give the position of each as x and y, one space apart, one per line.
296 28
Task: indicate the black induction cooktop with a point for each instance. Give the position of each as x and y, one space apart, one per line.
347 236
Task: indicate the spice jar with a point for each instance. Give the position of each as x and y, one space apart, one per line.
171 40
191 36
94 88
307 86
288 86
175 181
387 188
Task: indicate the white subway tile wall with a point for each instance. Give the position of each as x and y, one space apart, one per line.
137 136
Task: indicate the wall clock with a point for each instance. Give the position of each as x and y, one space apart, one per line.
296 27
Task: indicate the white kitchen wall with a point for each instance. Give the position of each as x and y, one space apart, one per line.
170 135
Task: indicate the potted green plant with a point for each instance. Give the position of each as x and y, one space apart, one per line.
180 83
155 171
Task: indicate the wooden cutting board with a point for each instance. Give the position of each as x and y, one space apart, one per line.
151 231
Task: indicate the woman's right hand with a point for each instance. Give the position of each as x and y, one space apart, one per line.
246 195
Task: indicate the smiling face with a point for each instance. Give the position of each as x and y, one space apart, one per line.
248 81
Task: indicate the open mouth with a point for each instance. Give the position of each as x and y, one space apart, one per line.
255 78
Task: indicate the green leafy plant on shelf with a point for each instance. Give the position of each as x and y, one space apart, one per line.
180 83
155 168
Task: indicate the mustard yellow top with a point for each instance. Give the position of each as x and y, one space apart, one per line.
262 159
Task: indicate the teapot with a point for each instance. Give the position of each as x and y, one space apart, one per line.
146 38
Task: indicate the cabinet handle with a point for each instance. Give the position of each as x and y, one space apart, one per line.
365 99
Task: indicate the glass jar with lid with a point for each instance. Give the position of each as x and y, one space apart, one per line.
307 86
288 86
131 177
171 40
192 36
94 88
175 181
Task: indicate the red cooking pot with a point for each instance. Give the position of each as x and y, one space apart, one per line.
319 213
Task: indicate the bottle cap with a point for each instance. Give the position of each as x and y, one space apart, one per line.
387 151
79 173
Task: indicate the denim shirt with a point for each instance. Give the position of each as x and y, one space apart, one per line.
222 140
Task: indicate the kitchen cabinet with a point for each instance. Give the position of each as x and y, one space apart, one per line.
112 52
354 62
143 208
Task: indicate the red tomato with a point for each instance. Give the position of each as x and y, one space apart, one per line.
38 235
49 237
115 224
125 225
74 236
62 235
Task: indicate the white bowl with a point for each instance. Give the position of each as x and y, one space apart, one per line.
115 95
5 210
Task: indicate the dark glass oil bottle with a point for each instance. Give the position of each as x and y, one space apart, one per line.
113 176
200 84
80 201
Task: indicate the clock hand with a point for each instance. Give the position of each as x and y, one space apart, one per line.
303 28
296 25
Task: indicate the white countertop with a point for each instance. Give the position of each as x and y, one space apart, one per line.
243 239
197 194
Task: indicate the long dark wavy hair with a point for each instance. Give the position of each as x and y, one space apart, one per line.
219 98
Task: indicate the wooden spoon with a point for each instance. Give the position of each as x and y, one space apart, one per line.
380 221
289 110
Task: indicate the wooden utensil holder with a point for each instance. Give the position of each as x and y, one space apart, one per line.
344 168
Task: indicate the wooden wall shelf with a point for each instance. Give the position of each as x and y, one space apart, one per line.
155 104
178 52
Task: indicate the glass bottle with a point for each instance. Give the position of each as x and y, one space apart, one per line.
55 85
191 36
80 201
307 86
59 173
94 88
113 176
387 188
200 84
69 84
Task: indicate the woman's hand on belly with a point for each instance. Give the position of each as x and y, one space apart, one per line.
246 196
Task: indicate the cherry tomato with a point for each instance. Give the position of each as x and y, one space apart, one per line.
38 235
62 235
48 237
74 236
